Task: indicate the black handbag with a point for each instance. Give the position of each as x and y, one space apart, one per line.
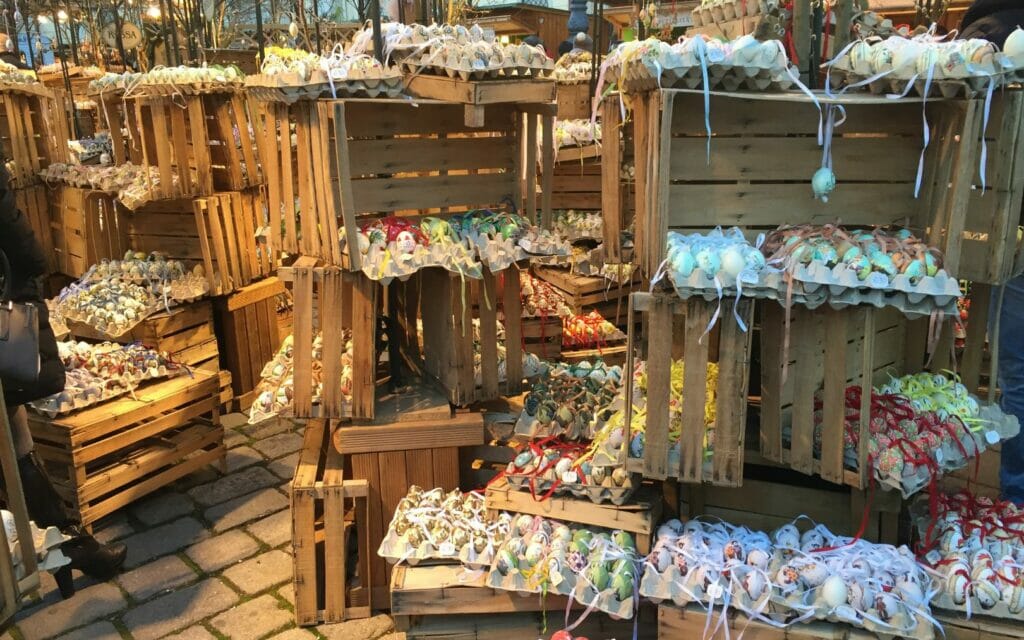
19 333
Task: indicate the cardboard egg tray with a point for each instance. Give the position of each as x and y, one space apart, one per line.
606 492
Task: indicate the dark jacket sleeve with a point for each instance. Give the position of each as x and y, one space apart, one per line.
19 243
992 20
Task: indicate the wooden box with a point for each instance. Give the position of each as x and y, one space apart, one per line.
328 299
87 227
828 352
692 338
191 140
33 131
211 232
248 333
542 336
980 476
120 120
233 255
573 101
104 457
184 333
640 517
772 496
34 203
19 568
328 511
692 622
414 440
448 311
765 150
583 293
577 180
403 158
979 627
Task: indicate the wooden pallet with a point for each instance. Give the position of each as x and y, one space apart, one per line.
979 628
34 203
104 457
33 133
414 440
692 622
875 155
247 329
184 333
327 511
443 590
640 517
327 299
192 138
670 336
829 351
447 350
87 227
542 336
773 495
573 100
233 255
205 233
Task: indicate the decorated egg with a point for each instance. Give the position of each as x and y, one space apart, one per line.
787 536
759 558
754 583
813 573
505 562
598 576
887 606
533 555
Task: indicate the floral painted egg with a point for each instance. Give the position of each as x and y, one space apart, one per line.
758 558
681 564
813 573
505 562
754 583
887 606
534 553
661 558
733 550
787 578
523 524
576 561
787 536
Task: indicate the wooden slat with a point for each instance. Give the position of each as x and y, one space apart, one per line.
463 429
512 310
659 376
833 424
400 155
489 335
805 384
731 404
695 358
303 344
429 192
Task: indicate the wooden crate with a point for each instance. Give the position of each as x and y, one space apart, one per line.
192 138
875 156
668 337
583 293
185 333
120 120
542 336
327 511
772 496
640 517
573 101
692 622
248 334
414 439
210 232
980 476
33 132
978 628
447 312
104 457
34 203
326 300
829 351
443 590
612 355
475 94
404 158
87 227
577 181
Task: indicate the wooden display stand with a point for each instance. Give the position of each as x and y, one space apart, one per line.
327 511
875 154
120 121
326 300
573 101
249 336
670 336
577 179
692 622
583 293
640 517
233 255
33 131
87 228
414 440
476 94
194 146
185 333
104 457
212 232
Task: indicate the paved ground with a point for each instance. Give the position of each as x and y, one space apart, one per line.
208 558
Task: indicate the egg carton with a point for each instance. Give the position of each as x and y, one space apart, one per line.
288 95
369 88
700 284
939 88
724 11
638 76
516 580
168 89
606 492
395 548
940 289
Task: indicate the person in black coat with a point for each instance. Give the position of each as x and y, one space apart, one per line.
992 20
28 264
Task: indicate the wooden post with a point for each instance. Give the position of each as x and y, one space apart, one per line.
611 166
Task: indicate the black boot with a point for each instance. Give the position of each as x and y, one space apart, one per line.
46 508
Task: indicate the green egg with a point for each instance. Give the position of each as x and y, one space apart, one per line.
598 576
622 584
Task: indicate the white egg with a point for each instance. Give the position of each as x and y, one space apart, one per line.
834 591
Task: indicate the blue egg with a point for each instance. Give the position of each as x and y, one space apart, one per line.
636 446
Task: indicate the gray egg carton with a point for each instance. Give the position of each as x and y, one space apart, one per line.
606 492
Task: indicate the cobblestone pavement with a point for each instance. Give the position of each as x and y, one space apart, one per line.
208 558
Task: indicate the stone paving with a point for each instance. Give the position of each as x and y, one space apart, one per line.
209 558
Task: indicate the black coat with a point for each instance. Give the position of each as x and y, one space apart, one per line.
992 20
28 265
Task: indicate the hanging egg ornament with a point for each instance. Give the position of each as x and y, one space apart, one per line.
823 183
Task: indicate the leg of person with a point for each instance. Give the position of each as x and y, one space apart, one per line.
1011 384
